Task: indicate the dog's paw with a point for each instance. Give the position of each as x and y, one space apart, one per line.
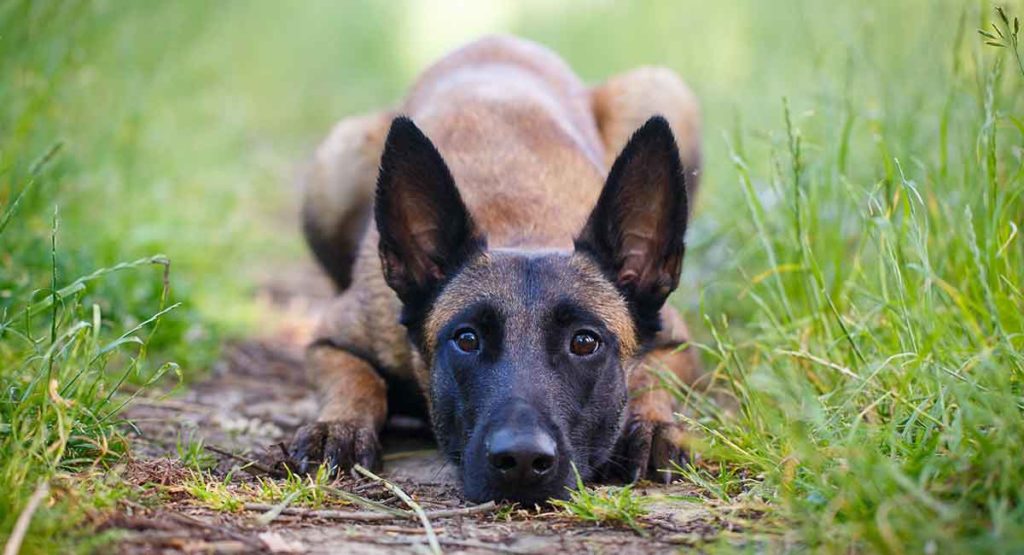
647 450
339 444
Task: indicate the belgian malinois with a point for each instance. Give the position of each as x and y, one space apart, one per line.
497 277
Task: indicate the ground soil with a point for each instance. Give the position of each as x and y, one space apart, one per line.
248 408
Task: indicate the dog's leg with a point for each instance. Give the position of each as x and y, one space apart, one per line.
652 439
625 101
353 409
338 192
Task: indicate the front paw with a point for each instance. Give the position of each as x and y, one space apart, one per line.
649 450
339 444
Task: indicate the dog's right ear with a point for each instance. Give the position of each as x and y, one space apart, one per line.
636 230
426 233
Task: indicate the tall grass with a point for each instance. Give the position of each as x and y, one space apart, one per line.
59 416
879 378
77 328
64 366
126 130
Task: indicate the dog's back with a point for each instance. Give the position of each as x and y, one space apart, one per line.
528 144
515 126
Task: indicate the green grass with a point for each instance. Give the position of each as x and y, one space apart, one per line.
214 492
192 452
222 494
854 268
879 375
311 491
605 505
65 368
108 152
314 491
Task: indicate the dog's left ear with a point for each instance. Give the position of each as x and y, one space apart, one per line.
636 230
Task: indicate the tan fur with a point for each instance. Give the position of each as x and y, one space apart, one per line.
597 294
350 388
332 188
529 147
338 191
514 125
624 102
649 402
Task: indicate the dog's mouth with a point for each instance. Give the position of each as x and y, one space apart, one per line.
488 487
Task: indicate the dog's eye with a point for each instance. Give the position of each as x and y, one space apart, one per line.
467 341
584 343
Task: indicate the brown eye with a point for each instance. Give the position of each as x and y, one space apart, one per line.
467 341
584 343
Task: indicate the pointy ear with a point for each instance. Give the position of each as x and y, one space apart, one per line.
636 231
426 233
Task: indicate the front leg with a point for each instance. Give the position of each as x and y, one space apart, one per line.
652 439
353 409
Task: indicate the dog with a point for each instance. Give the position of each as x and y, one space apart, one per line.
503 244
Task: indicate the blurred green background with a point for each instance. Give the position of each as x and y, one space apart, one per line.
184 124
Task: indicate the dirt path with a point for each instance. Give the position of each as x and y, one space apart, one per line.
254 400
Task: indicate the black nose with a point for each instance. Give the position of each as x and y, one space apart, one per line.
521 456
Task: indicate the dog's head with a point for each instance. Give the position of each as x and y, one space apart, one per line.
528 351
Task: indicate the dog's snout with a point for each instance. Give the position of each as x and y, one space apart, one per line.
521 456
521 453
